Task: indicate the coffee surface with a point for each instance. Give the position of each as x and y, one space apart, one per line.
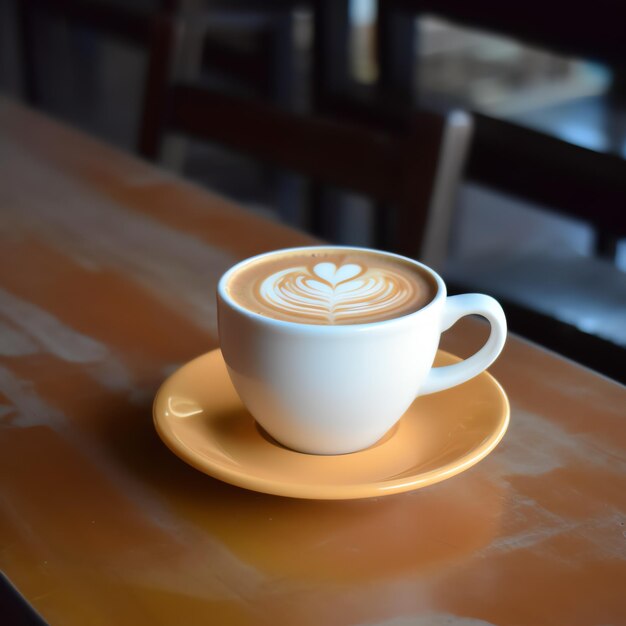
329 287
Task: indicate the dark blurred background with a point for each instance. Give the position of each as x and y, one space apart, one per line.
529 198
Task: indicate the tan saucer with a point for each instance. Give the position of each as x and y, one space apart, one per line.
199 416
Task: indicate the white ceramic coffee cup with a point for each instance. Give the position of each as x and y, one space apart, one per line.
338 389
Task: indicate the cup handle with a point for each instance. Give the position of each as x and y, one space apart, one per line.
456 307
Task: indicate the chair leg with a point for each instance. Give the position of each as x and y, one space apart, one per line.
317 218
154 104
395 33
27 51
381 227
605 245
289 198
330 49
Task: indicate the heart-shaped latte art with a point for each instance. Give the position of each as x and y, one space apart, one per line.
335 275
332 293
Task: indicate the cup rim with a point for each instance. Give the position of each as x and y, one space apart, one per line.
302 326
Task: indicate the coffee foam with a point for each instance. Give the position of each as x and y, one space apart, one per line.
331 287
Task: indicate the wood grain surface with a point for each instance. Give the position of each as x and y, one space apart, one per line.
108 268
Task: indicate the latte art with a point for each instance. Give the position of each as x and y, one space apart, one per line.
333 293
331 286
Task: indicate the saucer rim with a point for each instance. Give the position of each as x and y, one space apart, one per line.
325 491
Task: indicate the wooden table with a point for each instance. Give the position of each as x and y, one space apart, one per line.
107 272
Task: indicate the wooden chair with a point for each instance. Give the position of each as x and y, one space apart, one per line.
245 48
152 31
568 178
548 295
410 173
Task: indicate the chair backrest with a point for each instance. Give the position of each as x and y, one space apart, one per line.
153 31
508 155
570 179
400 170
375 110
